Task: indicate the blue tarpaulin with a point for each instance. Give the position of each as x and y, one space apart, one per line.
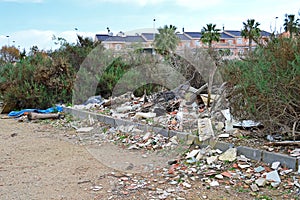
49 110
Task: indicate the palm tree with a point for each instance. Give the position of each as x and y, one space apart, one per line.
251 31
210 34
290 24
167 40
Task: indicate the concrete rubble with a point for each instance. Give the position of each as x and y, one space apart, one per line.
212 167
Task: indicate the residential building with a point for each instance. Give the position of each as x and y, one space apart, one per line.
231 41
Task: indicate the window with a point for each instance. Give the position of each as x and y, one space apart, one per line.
239 41
118 47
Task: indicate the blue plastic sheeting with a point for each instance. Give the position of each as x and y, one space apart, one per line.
21 112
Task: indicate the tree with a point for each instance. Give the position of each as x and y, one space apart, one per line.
290 24
9 54
210 34
167 40
251 31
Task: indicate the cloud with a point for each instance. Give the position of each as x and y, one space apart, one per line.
23 1
196 4
132 2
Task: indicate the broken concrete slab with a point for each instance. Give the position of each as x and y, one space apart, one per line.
229 155
205 129
273 176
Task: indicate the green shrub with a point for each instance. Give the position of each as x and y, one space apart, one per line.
36 82
266 86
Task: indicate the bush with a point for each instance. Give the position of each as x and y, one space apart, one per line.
266 86
36 82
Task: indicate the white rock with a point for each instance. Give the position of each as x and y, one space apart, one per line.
147 136
187 185
133 147
284 172
224 135
140 115
273 176
211 159
244 166
218 151
261 182
229 155
275 184
275 165
174 140
199 156
219 176
173 182
254 187
84 129
96 188
214 183
192 153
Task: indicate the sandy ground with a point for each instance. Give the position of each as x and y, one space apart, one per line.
35 165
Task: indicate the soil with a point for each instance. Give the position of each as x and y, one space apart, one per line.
39 161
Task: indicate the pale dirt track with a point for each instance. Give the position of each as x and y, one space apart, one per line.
35 165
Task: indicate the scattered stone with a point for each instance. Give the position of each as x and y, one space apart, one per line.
254 187
187 185
140 115
134 146
214 184
211 159
229 155
259 169
173 183
219 176
273 176
275 165
192 153
243 158
227 174
224 135
244 166
261 182
96 188
144 156
84 129
218 151
275 184
285 172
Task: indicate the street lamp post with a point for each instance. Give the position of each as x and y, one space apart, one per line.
153 49
7 40
275 25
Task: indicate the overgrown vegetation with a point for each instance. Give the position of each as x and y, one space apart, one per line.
266 86
37 80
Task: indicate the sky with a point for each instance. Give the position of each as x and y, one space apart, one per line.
25 23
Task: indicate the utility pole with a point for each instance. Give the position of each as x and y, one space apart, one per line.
153 49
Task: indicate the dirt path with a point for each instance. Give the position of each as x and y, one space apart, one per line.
34 165
38 162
